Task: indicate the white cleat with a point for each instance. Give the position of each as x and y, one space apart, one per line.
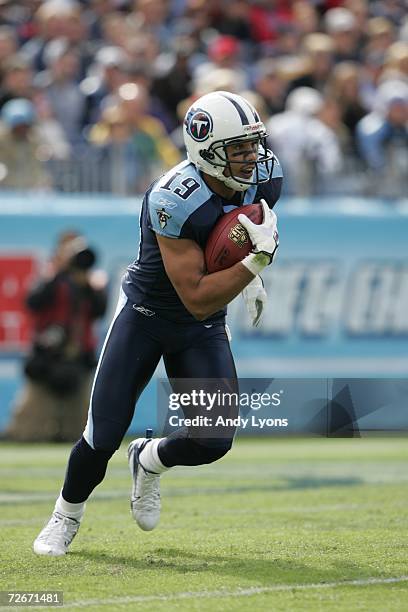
56 536
145 499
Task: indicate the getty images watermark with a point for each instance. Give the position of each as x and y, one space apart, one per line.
216 402
331 407
212 408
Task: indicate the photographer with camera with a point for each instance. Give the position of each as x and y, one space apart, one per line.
59 367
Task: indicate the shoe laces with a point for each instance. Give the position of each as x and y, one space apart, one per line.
59 527
149 492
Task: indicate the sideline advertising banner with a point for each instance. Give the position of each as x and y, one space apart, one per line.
338 292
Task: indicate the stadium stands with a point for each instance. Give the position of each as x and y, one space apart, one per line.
70 59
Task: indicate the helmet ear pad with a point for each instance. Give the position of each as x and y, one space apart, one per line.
217 120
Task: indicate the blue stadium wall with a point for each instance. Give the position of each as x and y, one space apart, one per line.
338 293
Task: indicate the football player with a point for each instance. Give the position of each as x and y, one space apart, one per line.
170 308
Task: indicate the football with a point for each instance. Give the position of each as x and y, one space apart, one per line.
228 242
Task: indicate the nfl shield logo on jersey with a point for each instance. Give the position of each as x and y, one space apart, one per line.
198 124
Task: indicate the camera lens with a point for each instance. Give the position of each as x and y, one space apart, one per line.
83 260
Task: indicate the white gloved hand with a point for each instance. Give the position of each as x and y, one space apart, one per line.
255 299
264 237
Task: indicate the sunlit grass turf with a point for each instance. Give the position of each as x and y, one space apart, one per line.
273 512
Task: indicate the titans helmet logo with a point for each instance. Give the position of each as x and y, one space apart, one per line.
198 124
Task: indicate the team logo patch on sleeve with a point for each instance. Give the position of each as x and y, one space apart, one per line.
198 124
163 217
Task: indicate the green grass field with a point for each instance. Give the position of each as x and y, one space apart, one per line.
312 524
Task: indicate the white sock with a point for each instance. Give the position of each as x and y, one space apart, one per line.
74 511
149 458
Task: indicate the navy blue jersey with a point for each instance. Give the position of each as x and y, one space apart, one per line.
181 205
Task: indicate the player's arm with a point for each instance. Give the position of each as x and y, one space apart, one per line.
201 293
204 294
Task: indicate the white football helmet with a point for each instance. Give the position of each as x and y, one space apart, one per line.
219 119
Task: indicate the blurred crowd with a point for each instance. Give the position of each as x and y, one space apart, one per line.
93 92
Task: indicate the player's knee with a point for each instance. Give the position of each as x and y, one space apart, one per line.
107 436
212 452
106 449
102 452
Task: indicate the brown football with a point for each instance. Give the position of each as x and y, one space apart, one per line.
228 242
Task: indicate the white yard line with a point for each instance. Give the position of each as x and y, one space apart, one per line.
222 593
234 593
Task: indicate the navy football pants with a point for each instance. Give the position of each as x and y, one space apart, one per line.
133 347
